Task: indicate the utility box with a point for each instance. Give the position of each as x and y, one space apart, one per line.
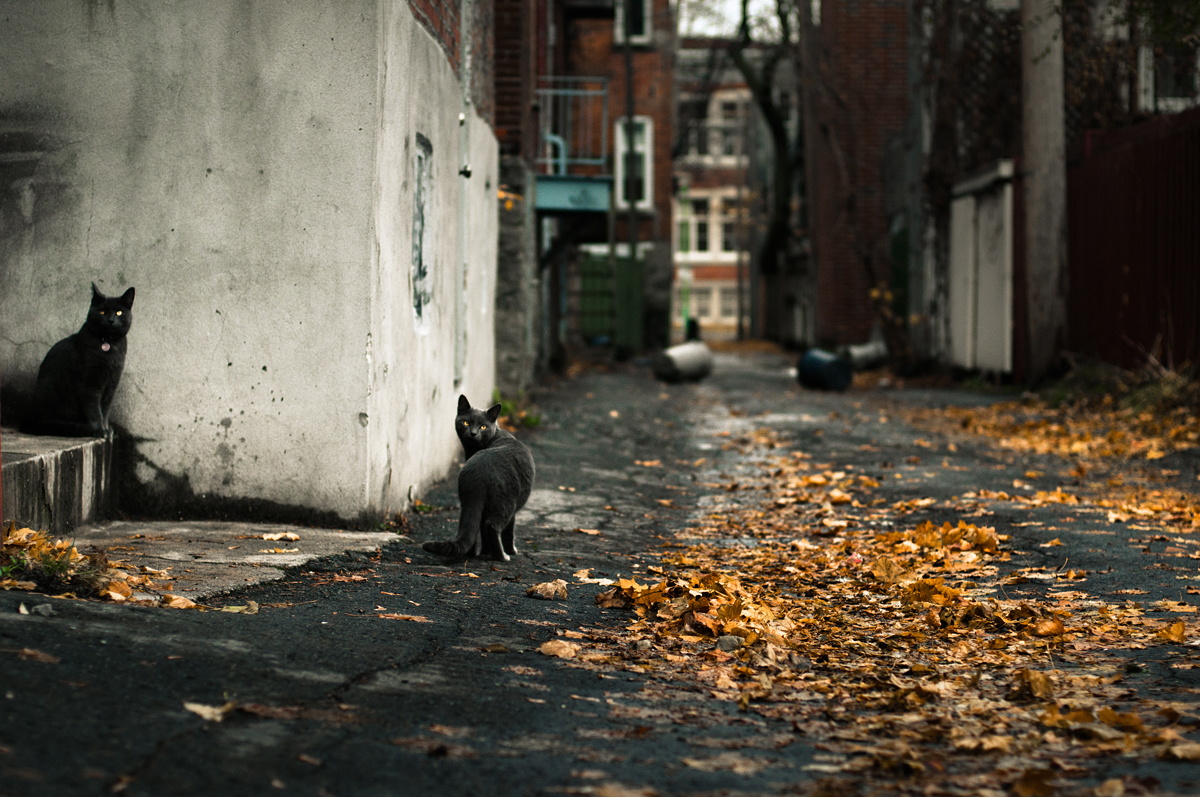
981 270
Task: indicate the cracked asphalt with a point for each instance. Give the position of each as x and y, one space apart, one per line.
390 672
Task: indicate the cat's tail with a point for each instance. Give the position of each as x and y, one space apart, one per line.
467 541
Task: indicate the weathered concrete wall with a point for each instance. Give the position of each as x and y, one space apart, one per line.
53 484
413 358
233 162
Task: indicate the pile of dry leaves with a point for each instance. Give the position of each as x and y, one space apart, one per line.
32 560
892 642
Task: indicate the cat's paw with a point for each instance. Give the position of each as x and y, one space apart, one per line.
442 548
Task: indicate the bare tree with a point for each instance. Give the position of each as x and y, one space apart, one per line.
761 73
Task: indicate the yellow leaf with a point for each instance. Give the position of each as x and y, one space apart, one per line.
589 532
1051 544
1034 683
209 713
116 591
1173 633
559 648
283 535
1188 751
836 496
1050 626
549 590
412 618
177 602
887 571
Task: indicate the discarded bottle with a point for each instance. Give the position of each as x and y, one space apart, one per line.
823 370
689 362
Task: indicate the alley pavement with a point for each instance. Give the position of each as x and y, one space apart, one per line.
374 668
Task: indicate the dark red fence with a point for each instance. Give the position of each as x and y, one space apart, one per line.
1133 243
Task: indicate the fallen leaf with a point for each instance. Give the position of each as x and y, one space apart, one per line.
1175 632
560 648
1050 626
549 590
290 536
29 654
589 532
728 762
176 602
250 608
1033 683
210 713
1188 751
412 618
116 591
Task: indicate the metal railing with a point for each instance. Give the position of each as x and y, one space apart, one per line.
572 123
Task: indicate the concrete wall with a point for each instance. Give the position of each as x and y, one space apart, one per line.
245 167
412 389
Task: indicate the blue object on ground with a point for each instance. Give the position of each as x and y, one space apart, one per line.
823 370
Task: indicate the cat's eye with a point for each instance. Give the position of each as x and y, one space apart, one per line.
118 312
101 312
482 428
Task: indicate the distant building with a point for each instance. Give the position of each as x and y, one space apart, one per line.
561 102
712 233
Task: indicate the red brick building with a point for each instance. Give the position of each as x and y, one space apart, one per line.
856 111
715 120
561 98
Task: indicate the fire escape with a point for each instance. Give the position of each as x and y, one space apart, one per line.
575 205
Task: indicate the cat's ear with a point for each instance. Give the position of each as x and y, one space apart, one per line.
493 413
464 406
127 298
97 296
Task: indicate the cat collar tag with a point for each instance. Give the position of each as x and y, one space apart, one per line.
105 347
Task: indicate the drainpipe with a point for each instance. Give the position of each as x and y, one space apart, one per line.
631 222
464 171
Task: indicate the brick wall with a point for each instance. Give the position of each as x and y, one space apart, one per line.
862 104
441 19
513 84
591 52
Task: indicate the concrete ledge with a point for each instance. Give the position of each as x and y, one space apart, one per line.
209 558
55 484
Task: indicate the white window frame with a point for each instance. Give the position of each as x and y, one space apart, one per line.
619 149
647 34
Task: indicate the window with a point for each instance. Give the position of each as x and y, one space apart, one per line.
728 236
635 166
685 235
700 211
1175 73
641 27
701 302
693 115
728 302
730 128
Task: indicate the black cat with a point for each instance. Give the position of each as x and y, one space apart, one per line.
78 377
493 485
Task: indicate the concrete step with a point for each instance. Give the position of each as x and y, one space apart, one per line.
55 484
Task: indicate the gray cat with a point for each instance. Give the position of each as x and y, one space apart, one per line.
493 485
